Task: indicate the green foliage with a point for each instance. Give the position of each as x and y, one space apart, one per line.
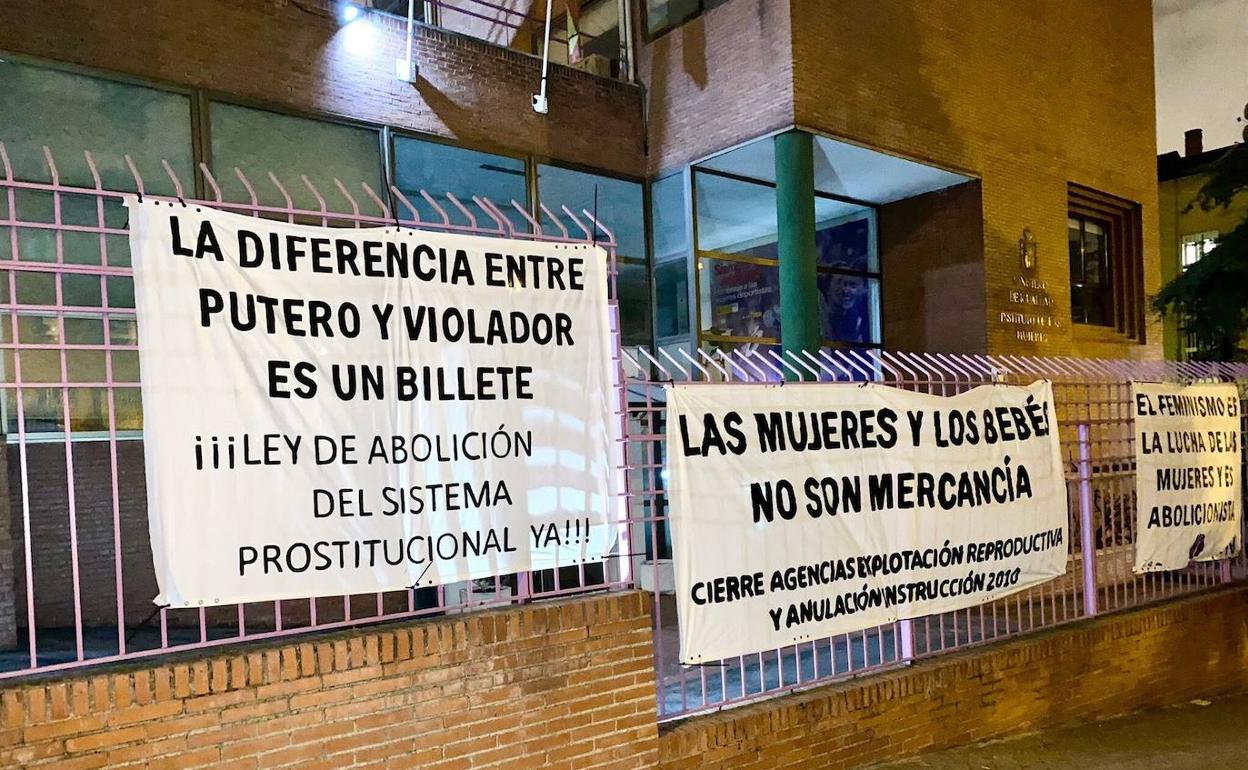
1211 296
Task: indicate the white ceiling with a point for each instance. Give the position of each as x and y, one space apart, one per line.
843 169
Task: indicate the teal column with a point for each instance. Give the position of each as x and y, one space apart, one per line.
795 215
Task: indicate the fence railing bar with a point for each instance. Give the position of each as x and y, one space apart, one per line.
599 225
537 229
779 359
211 181
281 190
173 177
320 199
472 220
551 216
495 215
381 206
693 362
355 207
407 204
685 373
446 220
251 191
645 353
589 235
710 360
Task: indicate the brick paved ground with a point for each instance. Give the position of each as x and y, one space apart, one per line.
1188 736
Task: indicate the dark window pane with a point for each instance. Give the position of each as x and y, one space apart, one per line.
662 15
1091 285
845 245
735 217
634 304
1074 242
671 290
740 299
72 113
617 205
669 218
260 142
442 169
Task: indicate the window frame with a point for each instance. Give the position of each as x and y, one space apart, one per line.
650 37
871 214
1109 269
1200 239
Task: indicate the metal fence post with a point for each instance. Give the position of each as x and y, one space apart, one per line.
905 631
1087 530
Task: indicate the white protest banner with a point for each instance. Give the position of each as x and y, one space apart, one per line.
336 411
803 511
1187 474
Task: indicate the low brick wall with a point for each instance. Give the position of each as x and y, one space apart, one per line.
1151 657
552 685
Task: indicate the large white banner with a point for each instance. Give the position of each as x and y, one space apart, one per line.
804 511
333 411
1187 474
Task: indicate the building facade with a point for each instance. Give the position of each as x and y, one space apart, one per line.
1188 231
921 176
970 180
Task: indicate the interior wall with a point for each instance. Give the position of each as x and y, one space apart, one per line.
932 263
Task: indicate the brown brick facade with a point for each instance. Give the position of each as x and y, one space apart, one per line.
291 55
721 79
561 686
932 250
1113 665
1025 96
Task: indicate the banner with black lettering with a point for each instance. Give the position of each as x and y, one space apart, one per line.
800 512
1187 474
333 411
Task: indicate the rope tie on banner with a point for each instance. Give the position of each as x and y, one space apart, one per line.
144 622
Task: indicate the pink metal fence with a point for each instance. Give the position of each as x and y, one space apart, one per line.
1096 433
80 579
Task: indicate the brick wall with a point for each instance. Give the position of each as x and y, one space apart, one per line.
932 262
554 685
295 56
1151 657
1026 96
721 79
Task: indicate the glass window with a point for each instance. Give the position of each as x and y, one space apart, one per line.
843 236
735 216
849 306
669 224
669 218
1091 289
441 169
671 298
738 264
73 113
634 295
1196 246
260 142
662 15
617 203
739 300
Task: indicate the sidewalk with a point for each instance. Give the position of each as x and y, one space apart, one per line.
1187 736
